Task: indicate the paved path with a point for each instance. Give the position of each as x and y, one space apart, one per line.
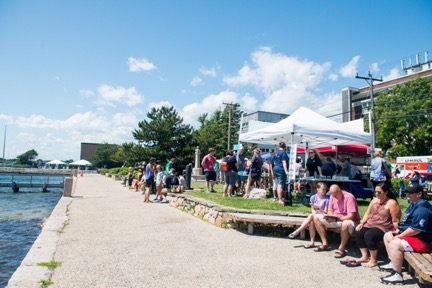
113 239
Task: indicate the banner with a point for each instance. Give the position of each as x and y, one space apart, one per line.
292 162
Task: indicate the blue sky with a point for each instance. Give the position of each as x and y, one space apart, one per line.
89 71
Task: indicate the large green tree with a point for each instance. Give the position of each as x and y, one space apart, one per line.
165 136
213 131
27 158
103 156
403 119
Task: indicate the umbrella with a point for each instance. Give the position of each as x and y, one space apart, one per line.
56 162
81 162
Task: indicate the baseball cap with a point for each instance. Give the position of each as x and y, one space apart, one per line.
414 188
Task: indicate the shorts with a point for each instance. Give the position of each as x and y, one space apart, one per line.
413 244
337 225
149 182
280 178
253 176
210 176
241 175
230 178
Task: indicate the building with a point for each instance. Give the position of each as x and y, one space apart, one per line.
356 101
88 150
260 119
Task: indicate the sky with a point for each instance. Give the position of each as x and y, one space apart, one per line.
89 71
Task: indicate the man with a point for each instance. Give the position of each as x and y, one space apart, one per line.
208 163
255 173
345 167
172 183
240 157
169 165
414 234
343 206
328 167
272 177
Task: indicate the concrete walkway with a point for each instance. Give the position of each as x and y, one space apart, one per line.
113 239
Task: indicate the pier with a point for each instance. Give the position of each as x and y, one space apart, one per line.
26 181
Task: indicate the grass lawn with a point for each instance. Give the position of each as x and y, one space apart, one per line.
267 204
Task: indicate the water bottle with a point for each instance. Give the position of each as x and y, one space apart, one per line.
315 175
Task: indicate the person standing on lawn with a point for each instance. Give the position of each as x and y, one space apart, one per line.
343 207
208 163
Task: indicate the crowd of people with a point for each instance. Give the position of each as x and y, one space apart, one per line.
154 178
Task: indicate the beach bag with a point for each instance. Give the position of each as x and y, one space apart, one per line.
257 193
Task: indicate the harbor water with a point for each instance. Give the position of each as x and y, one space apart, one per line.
21 217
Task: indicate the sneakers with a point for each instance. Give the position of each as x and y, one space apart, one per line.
394 278
386 267
213 191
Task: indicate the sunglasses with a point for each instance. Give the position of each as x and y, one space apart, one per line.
378 192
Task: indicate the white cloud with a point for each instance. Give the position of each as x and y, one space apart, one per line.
374 67
136 65
333 77
394 73
286 82
109 95
87 93
211 103
160 104
196 81
350 69
208 72
248 103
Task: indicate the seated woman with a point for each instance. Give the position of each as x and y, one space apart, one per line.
382 215
319 204
414 234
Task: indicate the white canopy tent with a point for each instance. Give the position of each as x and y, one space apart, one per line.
56 162
307 128
81 162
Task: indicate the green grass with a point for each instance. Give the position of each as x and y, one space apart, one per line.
45 283
50 265
267 204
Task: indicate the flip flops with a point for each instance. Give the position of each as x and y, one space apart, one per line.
309 246
339 253
292 236
321 248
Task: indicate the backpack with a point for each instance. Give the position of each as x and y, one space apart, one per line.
223 166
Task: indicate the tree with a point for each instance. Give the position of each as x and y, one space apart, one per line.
164 136
403 119
213 130
103 156
27 158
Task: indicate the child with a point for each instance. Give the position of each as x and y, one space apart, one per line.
130 178
159 183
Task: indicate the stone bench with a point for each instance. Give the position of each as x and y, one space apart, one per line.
420 264
252 219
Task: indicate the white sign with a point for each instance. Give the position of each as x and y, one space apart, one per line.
292 162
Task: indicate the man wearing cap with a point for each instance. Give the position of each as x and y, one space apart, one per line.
414 234
255 173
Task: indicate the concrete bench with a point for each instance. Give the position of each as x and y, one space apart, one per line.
252 219
420 264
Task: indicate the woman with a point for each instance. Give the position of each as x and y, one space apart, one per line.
231 174
319 205
149 178
280 170
382 215
313 167
414 234
379 169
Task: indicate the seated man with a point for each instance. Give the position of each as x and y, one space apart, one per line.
414 234
343 206
172 183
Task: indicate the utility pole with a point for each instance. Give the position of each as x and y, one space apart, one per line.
370 81
231 107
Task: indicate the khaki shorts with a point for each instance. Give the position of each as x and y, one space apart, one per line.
337 225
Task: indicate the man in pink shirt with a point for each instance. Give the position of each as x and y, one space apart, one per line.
343 207
208 163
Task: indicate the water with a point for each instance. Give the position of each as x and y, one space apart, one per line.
20 218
